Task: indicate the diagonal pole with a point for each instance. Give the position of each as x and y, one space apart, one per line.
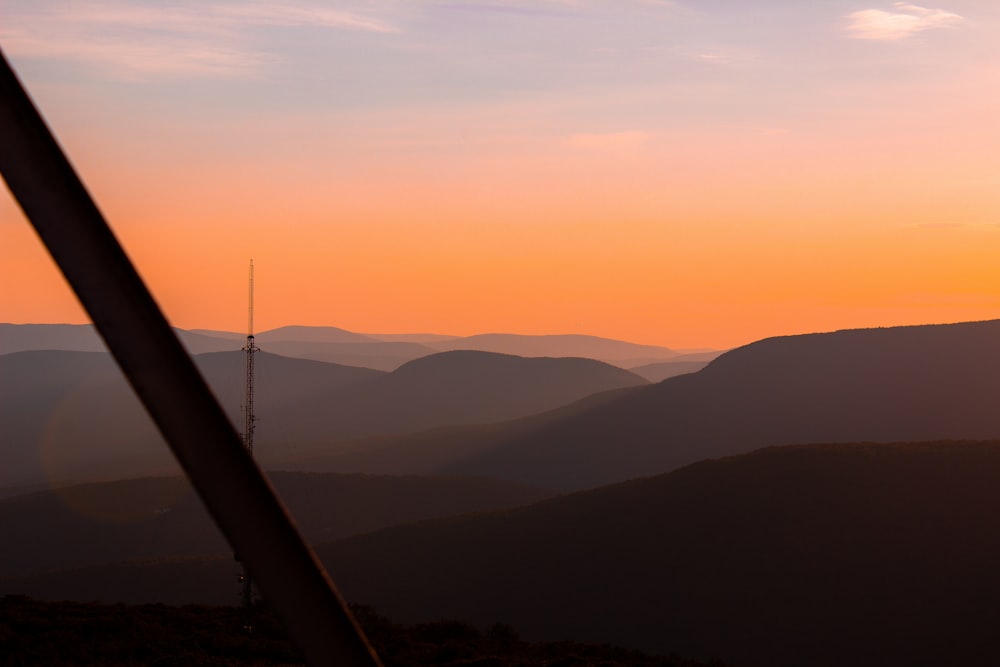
234 490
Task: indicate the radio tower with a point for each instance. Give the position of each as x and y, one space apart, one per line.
249 348
246 584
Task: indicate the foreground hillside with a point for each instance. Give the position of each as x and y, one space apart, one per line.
818 555
868 555
69 633
895 384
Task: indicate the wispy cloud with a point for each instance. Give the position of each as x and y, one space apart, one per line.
904 20
716 55
176 39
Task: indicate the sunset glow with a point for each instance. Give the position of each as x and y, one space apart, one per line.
680 173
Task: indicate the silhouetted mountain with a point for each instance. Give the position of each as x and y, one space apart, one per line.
867 555
896 384
70 417
155 518
300 334
452 388
611 351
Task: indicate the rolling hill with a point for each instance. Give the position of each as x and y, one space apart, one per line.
452 388
894 384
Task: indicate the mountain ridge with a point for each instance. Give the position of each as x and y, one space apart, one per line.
892 384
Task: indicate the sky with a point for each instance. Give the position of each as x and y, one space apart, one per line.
687 173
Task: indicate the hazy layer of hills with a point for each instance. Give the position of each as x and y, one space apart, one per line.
152 518
378 351
69 416
875 554
484 414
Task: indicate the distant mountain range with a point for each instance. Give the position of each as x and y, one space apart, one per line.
378 351
869 555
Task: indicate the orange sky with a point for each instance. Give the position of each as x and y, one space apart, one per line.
823 185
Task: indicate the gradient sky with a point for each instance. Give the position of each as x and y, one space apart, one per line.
689 173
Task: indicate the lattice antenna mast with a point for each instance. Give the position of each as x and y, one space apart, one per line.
249 349
246 584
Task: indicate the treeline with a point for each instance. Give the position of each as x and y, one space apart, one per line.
34 632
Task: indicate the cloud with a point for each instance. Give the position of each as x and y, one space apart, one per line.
903 21
290 14
618 144
177 39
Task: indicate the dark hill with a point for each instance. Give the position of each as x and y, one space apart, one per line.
153 518
819 555
505 386
566 345
453 388
897 384
302 334
867 555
